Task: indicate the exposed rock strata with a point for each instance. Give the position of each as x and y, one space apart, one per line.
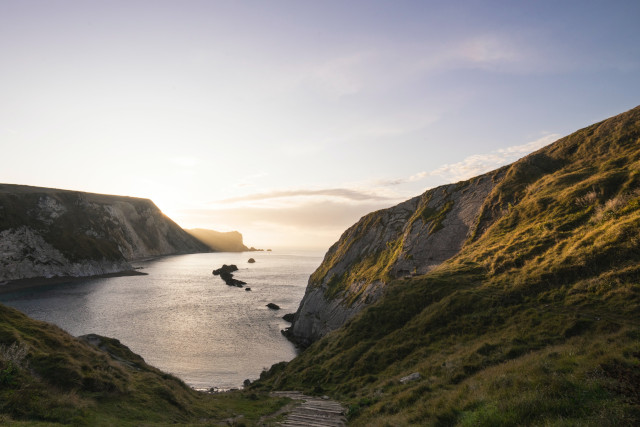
409 239
48 232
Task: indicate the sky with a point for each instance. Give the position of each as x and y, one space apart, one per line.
289 120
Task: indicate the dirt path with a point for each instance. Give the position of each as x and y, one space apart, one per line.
312 411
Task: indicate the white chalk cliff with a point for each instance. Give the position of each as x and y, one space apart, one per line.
49 232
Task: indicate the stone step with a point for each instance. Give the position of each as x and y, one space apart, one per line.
313 411
306 424
309 420
312 423
320 411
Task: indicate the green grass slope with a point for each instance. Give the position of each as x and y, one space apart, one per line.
535 322
48 377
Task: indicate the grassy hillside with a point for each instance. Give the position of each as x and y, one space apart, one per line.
48 377
535 322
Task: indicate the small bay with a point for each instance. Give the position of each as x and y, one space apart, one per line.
182 319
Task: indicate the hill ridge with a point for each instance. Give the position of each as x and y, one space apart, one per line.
535 321
419 234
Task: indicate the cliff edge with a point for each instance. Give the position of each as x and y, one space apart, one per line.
47 232
406 240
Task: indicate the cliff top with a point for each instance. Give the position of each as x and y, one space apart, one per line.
94 197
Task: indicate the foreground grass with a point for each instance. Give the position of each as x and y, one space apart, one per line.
485 357
48 377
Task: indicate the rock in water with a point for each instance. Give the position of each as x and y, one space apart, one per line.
273 306
225 274
251 261
288 317
225 269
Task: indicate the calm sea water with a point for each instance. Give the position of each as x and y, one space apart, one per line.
181 318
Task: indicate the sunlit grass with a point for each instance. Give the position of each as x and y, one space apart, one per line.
535 322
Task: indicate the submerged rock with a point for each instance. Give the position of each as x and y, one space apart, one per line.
273 306
247 289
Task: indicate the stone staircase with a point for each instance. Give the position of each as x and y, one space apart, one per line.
313 411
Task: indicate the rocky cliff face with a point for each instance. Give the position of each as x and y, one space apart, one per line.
416 236
409 239
48 232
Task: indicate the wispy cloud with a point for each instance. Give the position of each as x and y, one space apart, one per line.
481 163
322 214
378 191
316 214
476 164
343 193
311 223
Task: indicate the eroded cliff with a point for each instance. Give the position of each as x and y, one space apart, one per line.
409 239
48 232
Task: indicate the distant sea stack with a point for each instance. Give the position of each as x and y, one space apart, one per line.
47 232
230 241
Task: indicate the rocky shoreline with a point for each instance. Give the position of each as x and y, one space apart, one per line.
14 285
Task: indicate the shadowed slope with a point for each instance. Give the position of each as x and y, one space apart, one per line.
49 376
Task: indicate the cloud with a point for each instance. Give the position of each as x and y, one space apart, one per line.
476 164
314 214
305 217
310 223
343 193
480 163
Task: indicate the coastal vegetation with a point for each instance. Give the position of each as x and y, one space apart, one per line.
48 377
535 322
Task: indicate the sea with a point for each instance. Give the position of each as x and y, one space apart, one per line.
181 318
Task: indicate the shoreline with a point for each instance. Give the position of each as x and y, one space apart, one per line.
15 285
34 282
